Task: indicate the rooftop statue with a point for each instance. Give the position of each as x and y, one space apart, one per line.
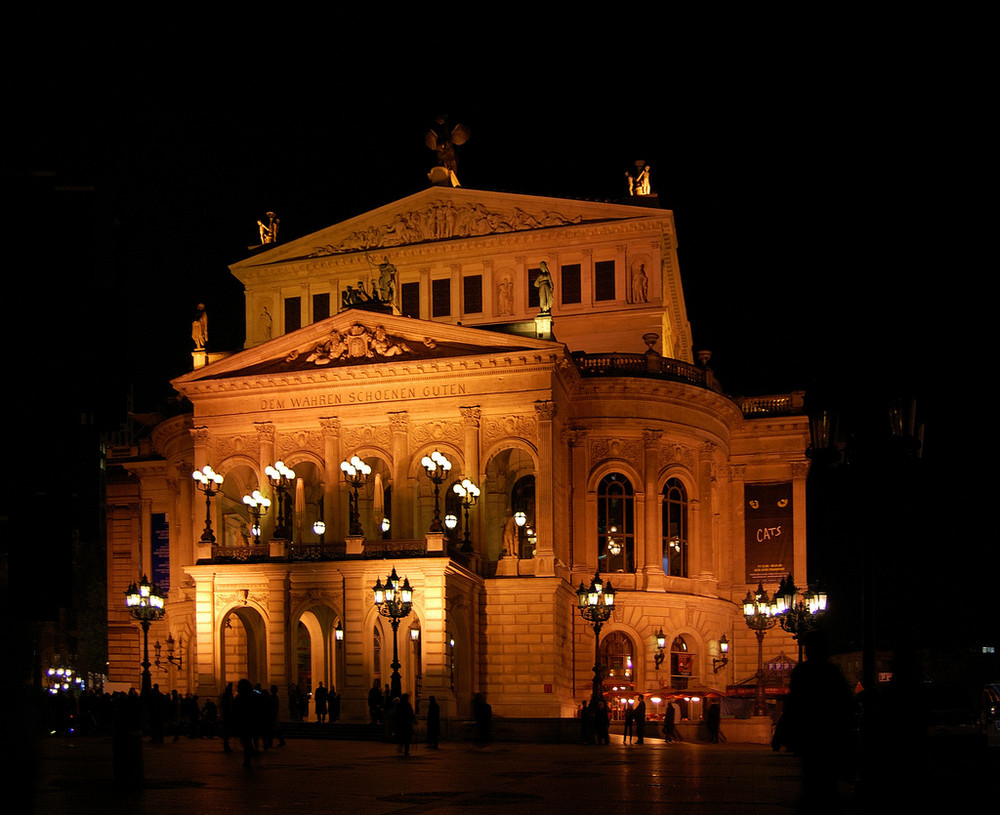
199 328
443 139
269 231
639 184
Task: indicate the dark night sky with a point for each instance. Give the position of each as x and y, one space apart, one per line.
822 199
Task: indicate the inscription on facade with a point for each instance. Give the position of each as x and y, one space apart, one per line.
363 396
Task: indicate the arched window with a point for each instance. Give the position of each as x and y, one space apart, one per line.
616 664
615 524
675 529
681 663
377 654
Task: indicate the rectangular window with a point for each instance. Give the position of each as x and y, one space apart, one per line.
321 307
441 297
532 291
472 294
604 280
409 300
571 283
293 314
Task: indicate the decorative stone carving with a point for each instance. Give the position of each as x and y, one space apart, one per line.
368 436
304 440
358 342
237 445
435 432
676 454
471 416
442 220
546 409
520 426
626 449
257 595
399 422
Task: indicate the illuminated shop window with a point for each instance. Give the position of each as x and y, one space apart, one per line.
681 663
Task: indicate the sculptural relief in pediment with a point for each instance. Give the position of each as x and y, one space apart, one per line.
357 342
442 220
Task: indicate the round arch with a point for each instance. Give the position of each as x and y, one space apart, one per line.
242 643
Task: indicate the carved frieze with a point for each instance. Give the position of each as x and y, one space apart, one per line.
366 436
519 426
436 431
629 450
295 441
671 454
239 444
443 220
256 594
358 342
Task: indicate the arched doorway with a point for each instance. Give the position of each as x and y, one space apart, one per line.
243 646
618 670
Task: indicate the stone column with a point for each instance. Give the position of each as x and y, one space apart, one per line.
203 550
580 545
471 419
266 436
737 478
402 496
544 509
332 509
184 508
621 273
706 478
653 544
208 670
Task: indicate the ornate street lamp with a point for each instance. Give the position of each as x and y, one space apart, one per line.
145 603
595 604
437 466
395 601
467 493
797 612
761 614
208 481
281 477
258 504
356 473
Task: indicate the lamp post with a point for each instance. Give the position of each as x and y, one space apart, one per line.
797 611
595 604
467 493
760 613
145 603
356 473
437 466
280 477
258 504
394 600
208 481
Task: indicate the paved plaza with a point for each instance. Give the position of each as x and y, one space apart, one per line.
76 777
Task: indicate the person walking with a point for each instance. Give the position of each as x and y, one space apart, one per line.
629 722
404 720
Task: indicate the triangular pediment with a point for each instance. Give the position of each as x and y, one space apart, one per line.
443 214
356 338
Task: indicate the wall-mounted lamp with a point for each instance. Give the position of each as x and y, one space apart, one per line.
661 643
718 663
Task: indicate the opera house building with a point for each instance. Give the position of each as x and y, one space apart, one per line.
495 398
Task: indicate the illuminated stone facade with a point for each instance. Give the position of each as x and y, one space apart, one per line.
594 420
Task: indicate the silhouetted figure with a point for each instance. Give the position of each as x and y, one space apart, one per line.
433 723
274 717
375 702
484 716
226 709
640 720
603 723
669 723
321 697
816 724
244 715
629 723
404 720
713 722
